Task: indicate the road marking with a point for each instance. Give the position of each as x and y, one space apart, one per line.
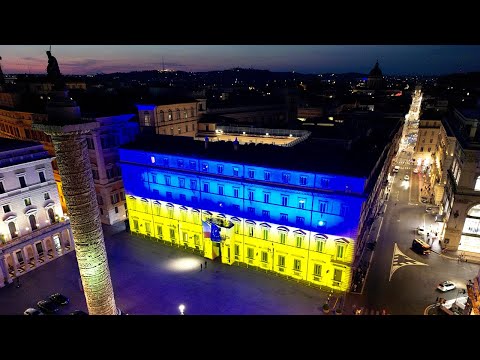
399 259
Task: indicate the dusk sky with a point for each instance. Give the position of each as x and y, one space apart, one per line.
394 59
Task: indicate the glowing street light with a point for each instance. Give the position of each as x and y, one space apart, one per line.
181 308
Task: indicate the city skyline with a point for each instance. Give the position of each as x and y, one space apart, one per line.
393 59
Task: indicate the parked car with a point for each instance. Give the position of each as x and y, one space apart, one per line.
415 171
406 178
78 313
59 299
446 286
32 311
47 306
429 209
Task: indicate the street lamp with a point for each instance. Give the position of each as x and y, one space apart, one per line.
181 308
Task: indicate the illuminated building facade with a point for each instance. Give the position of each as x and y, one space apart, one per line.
236 204
103 144
174 117
33 230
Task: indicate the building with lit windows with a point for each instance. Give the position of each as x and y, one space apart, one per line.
33 229
298 211
103 144
177 117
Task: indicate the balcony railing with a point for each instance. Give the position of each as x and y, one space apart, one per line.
34 234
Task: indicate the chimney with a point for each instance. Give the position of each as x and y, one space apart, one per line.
206 142
235 144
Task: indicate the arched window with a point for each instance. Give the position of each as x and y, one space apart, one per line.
51 215
13 229
477 184
33 222
170 116
178 114
160 116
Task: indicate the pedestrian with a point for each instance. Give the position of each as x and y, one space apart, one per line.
18 283
205 264
201 266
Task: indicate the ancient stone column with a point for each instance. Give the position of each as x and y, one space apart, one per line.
67 131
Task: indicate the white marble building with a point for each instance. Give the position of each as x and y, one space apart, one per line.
33 229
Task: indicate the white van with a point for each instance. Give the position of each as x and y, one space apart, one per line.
396 169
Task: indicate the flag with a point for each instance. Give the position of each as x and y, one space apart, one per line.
215 233
206 230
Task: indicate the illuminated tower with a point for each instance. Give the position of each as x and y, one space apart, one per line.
67 131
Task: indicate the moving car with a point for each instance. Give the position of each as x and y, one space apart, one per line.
446 286
59 299
396 169
47 306
420 247
406 178
32 311
415 171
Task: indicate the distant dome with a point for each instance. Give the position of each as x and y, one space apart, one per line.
376 71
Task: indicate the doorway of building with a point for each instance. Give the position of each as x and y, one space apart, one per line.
216 251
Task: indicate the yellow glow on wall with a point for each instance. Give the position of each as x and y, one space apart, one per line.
320 259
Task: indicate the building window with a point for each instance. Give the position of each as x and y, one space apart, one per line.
237 250
205 167
21 179
235 192
90 144
321 245
180 163
250 252
301 203
281 260
298 241
170 117
6 208
265 233
300 220
283 238
251 210
181 182
157 208
284 200
250 230
205 187
267 175
337 275
283 217
193 184
154 178
27 201
325 183
250 195
235 171
266 198
264 256
220 189
170 212
220 169
236 228
251 173
183 197
41 175
196 217
317 270
340 249
115 198
286 178
2 188
116 209
101 211
95 174
303 180
266 214
169 195
183 215
167 180
165 162
421 149
343 210
46 196
297 265
192 165
194 199
322 206
477 184
172 234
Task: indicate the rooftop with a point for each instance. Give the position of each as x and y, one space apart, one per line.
12 144
311 155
